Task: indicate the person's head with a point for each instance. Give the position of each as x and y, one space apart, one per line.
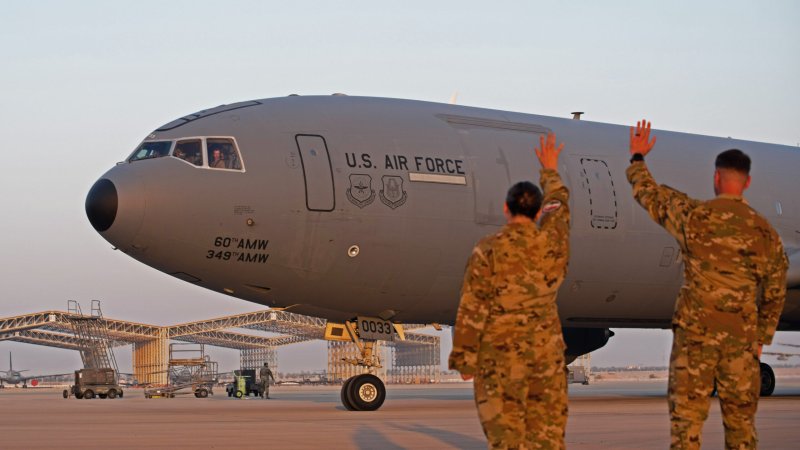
732 174
524 199
217 154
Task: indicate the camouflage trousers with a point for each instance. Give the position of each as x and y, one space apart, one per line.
698 360
521 384
264 389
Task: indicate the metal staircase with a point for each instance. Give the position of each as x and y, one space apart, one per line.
97 351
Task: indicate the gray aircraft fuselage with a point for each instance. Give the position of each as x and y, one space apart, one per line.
353 205
13 376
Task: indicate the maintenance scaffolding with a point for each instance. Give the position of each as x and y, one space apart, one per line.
414 360
96 351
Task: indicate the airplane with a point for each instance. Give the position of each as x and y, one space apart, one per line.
15 376
363 211
783 356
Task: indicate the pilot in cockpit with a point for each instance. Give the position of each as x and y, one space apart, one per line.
218 161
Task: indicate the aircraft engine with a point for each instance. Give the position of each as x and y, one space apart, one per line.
581 341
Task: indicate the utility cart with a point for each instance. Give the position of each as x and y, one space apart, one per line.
91 383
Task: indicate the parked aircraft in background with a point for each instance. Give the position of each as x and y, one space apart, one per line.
15 377
364 211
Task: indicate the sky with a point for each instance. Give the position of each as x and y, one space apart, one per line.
83 82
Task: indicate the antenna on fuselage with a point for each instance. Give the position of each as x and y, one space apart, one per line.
577 115
454 98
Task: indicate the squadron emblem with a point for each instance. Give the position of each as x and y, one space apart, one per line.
393 195
360 192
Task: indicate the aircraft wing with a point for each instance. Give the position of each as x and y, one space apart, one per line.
43 377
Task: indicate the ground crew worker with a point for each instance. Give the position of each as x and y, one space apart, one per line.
507 333
732 257
264 375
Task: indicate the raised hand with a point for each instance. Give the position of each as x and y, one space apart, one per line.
547 151
640 139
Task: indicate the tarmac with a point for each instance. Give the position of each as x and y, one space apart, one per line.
625 414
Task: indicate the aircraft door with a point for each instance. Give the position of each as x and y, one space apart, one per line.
599 185
317 172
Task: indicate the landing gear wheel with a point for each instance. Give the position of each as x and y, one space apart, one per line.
767 380
343 394
366 392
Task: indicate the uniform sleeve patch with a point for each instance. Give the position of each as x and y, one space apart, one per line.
551 206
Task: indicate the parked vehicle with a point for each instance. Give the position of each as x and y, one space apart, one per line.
91 383
244 384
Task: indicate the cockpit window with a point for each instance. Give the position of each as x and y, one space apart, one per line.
189 150
222 154
210 152
151 149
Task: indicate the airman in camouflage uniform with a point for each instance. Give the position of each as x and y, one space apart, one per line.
732 297
508 334
264 375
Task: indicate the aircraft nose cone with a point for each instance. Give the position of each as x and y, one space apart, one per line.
101 204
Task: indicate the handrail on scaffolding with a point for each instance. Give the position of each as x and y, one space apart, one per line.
93 332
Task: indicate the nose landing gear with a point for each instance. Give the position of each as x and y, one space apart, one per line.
364 392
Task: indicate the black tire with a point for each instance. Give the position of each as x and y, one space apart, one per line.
767 380
88 394
112 394
66 393
102 395
343 395
78 395
121 393
239 394
202 393
366 392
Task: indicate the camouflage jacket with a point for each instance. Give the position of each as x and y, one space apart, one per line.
265 373
734 263
515 270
